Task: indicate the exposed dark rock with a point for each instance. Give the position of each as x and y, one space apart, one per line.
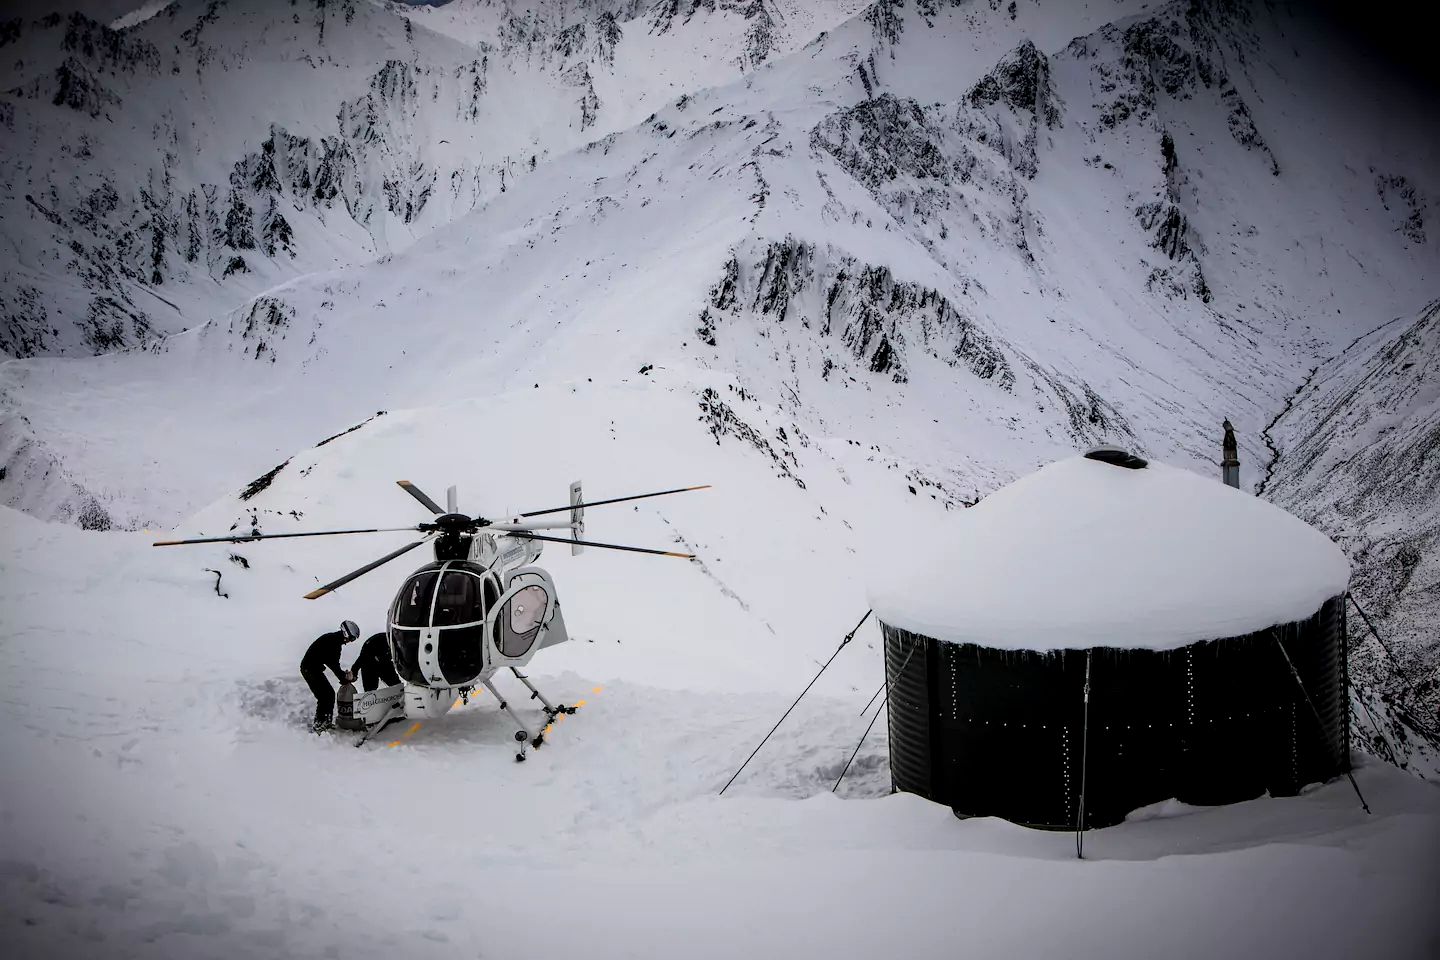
1242 127
1170 228
92 516
721 420
882 139
349 430
1398 195
261 483
79 89
877 318
111 324
1021 81
109 49
266 320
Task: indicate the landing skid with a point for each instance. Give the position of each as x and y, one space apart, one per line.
376 728
523 736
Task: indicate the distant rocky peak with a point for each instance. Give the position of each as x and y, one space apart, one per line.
763 17
1021 81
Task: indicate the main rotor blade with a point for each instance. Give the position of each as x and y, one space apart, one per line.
601 503
280 536
419 494
603 546
334 585
536 525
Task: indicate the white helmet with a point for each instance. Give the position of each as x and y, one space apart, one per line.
350 629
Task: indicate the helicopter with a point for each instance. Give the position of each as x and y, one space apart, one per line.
481 606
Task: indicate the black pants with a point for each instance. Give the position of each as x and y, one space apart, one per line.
324 694
374 665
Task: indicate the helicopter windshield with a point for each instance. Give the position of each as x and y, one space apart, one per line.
459 600
412 605
447 607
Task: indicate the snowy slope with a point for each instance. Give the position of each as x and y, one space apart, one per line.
1356 455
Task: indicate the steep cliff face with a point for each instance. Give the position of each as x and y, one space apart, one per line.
875 319
1358 454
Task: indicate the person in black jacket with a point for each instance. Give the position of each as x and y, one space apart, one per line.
323 653
374 665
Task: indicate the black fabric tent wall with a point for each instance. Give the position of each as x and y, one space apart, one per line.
999 733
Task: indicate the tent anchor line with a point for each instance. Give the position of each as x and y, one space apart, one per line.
848 637
1394 755
1316 713
868 726
885 687
1411 682
1084 755
885 684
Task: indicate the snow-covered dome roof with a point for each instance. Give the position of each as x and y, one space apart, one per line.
1084 553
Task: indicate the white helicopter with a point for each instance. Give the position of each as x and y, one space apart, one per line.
482 605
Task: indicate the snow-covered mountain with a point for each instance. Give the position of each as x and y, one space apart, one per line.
178 167
1356 455
857 264
967 237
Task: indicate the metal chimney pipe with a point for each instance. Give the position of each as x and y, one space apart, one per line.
1230 465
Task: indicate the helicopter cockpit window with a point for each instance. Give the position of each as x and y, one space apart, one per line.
412 605
459 600
520 621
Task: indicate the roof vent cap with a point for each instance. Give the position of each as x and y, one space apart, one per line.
1115 456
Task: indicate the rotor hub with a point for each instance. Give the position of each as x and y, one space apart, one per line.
456 523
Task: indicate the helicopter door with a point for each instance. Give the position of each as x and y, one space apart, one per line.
554 631
516 625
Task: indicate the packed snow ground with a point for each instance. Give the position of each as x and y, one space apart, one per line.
162 798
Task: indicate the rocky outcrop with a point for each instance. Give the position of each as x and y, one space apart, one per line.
858 308
1399 196
1021 82
1182 53
260 325
924 164
721 420
761 39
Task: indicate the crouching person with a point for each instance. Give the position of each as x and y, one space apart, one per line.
374 665
325 653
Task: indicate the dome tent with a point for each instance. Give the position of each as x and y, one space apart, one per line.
1189 609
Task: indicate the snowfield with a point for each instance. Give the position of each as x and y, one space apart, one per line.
856 265
163 798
